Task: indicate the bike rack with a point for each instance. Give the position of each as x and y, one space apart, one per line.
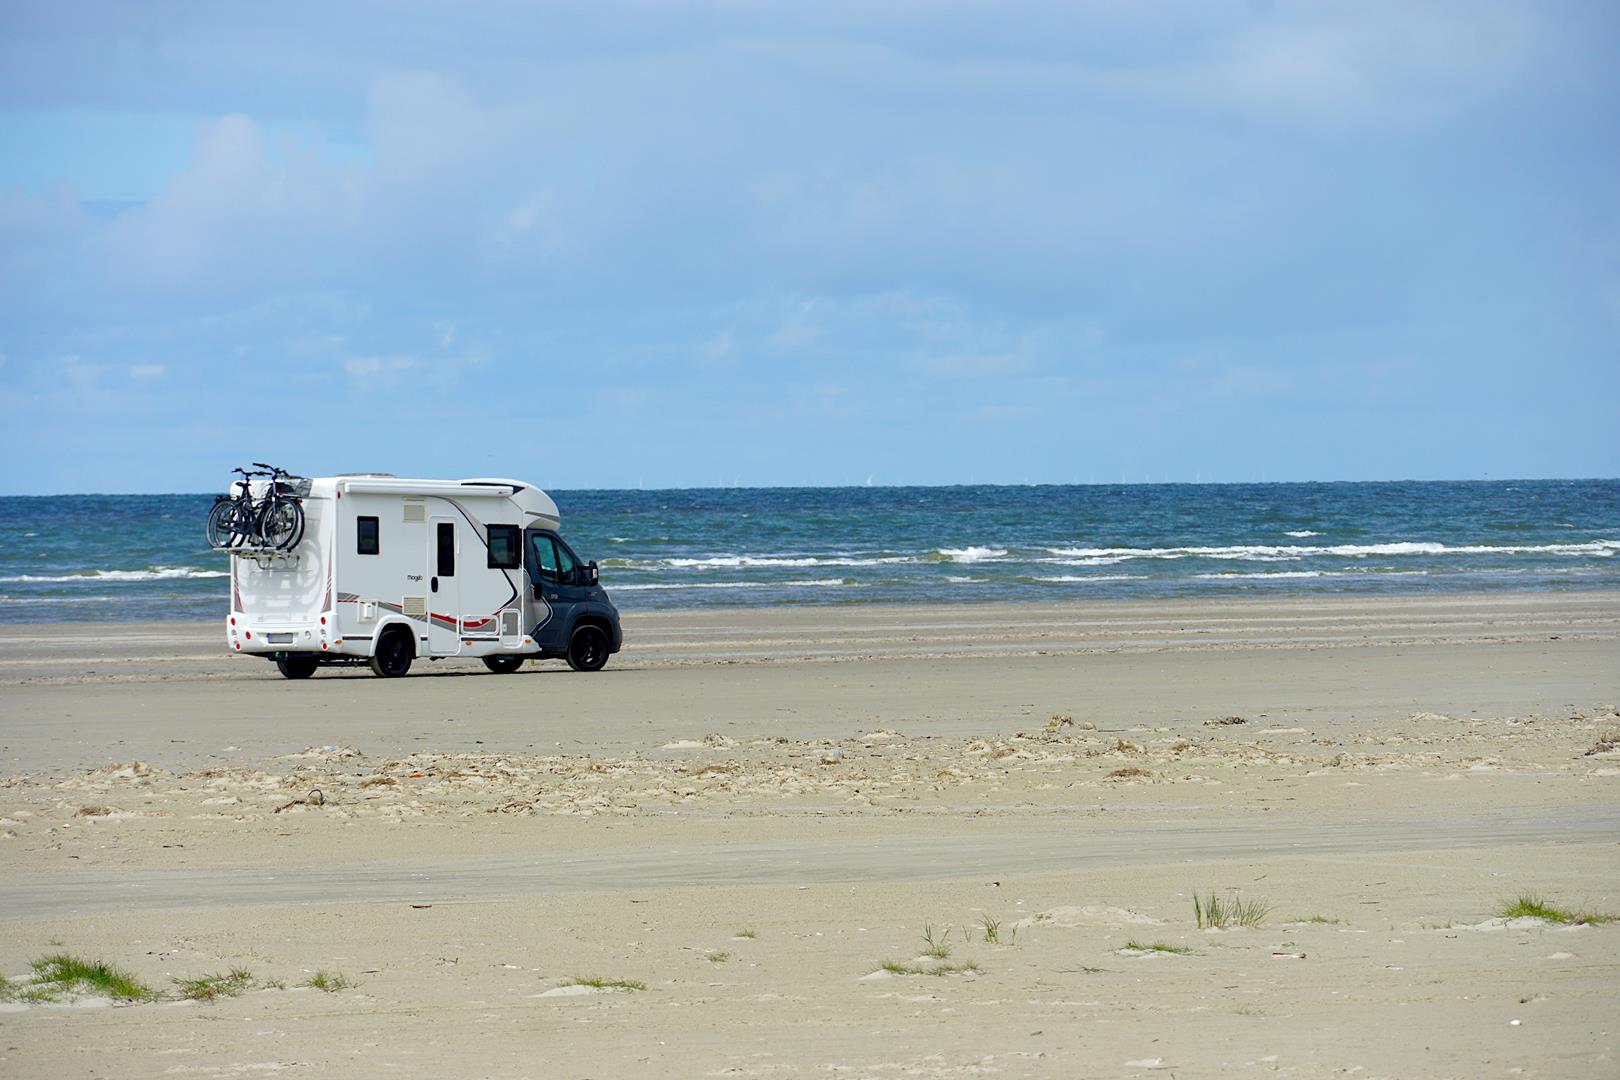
268 558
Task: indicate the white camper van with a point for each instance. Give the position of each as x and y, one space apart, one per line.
386 571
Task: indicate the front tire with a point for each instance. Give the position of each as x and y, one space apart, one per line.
503 665
588 648
297 667
394 655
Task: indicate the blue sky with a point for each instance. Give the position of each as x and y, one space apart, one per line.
664 244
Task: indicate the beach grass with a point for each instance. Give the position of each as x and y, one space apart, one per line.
1214 913
1319 920
596 982
900 967
329 982
746 935
991 930
1532 906
1157 947
933 946
213 987
717 957
63 973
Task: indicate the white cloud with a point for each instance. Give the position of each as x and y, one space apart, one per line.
379 371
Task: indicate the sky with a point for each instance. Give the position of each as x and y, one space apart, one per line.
690 244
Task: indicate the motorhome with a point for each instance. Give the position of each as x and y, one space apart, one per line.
389 571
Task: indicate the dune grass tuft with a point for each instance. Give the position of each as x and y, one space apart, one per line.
1212 912
934 946
62 973
991 929
1320 920
329 982
746 935
900 967
596 982
1531 906
1157 946
213 987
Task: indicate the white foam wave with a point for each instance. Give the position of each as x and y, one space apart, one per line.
1276 575
790 562
156 573
1281 553
1100 560
662 585
1269 575
972 554
1301 533
1077 579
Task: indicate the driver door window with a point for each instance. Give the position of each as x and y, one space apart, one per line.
544 561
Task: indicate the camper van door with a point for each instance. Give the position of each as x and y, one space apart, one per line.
444 595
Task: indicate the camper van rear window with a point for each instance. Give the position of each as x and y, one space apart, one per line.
365 536
503 547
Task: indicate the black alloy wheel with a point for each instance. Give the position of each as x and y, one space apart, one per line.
588 648
394 654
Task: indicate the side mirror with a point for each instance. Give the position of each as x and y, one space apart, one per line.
590 572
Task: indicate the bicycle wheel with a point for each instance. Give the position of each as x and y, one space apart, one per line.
236 521
281 523
218 530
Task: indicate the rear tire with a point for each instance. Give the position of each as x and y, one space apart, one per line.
504 665
588 648
297 667
395 651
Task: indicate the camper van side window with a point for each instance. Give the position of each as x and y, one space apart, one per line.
366 536
503 547
447 549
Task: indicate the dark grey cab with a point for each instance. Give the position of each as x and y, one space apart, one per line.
571 617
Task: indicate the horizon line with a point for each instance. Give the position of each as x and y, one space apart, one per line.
871 486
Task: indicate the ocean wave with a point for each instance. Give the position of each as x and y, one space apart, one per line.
790 562
970 554
666 585
99 577
1283 553
1281 575
1300 534
1086 579
1097 560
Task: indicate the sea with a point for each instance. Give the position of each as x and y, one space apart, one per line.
86 558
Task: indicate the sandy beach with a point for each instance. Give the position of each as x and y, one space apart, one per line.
863 841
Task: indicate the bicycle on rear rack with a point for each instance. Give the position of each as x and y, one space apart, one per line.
230 521
275 520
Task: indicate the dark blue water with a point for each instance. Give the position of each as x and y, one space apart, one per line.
143 557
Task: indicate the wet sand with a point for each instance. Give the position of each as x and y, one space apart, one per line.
1383 772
